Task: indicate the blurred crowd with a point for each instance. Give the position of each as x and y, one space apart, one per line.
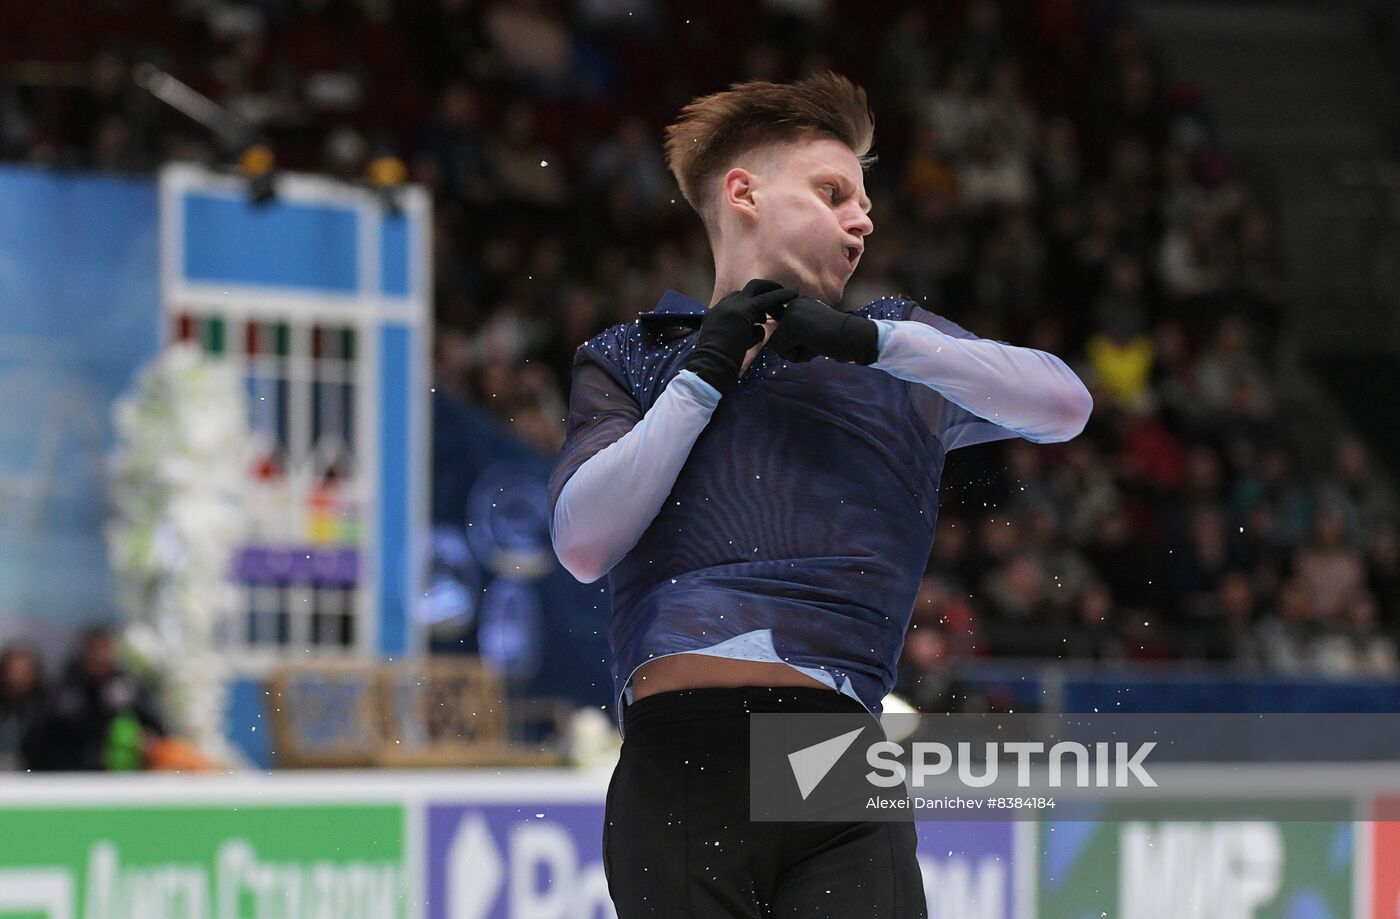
1041 179
96 716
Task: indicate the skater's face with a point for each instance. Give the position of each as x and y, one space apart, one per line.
804 214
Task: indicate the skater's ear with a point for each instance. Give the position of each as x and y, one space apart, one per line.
737 192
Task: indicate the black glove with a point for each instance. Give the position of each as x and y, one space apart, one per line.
733 326
809 328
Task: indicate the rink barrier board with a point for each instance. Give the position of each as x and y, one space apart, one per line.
457 845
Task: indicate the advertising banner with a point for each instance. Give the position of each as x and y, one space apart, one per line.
967 869
509 861
528 845
1252 869
225 862
1385 860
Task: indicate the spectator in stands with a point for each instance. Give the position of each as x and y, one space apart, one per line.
538 412
1247 418
1121 558
925 678
956 111
1181 196
98 717
345 154
953 557
1102 239
1195 261
1008 113
454 142
633 155
256 84
928 171
1059 167
1122 355
1084 493
1233 633
1229 360
21 694
1027 486
906 58
99 117
1131 182
1151 455
939 257
1200 562
1355 493
1203 484
532 42
1281 486
983 43
1329 570
1018 590
1013 263
1134 105
1283 639
16 124
530 172
450 41
1260 551
1354 646
1383 573
938 605
453 363
1094 634
1068 572
995 177
943 633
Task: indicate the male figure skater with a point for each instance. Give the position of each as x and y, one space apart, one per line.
764 502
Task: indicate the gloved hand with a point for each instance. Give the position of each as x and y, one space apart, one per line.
733 326
809 328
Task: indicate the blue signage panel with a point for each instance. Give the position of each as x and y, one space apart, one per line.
234 241
79 312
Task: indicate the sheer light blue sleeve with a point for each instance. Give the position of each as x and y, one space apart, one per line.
617 466
1018 391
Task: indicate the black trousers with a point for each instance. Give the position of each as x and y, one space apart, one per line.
678 843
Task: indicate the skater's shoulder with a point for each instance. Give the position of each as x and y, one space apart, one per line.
893 307
904 308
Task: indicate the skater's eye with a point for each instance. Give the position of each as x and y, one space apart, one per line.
831 189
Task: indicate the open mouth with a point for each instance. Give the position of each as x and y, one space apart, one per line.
852 256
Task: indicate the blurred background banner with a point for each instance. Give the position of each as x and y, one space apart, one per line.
1303 870
485 861
971 869
344 859
494 586
319 299
79 314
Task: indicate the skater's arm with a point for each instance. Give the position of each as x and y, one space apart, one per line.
617 465
1028 392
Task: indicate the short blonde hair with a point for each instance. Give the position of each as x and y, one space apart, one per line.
713 130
